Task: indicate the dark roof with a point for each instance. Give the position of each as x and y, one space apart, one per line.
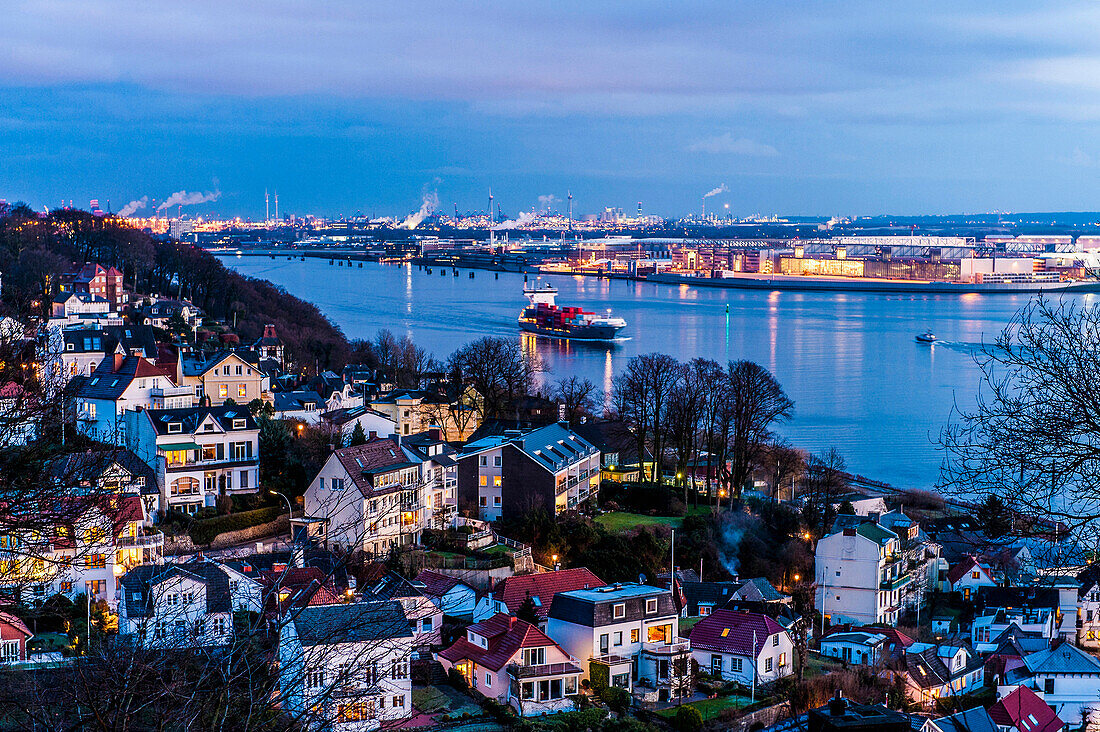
976 719
1026 597
192 417
593 607
144 576
135 340
504 635
290 401
392 586
542 587
350 623
344 415
437 584
612 436
927 669
1063 658
553 447
90 465
729 631
380 455
107 382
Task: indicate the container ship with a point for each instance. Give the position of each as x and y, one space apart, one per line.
543 317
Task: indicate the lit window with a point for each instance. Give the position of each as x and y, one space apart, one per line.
223 391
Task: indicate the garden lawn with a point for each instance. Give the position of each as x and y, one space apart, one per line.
621 521
711 708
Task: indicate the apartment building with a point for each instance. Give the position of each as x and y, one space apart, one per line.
198 453
860 573
551 468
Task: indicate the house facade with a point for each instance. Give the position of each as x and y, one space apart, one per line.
860 574
199 453
346 667
550 468
625 635
749 648
119 385
515 663
369 497
222 376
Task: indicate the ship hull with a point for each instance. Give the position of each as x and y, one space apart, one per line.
574 333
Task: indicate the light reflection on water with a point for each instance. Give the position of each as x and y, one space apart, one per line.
859 380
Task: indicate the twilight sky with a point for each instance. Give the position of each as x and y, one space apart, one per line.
815 107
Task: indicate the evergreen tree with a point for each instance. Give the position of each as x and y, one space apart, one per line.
358 436
527 611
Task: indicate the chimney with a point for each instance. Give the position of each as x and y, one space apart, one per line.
120 359
849 532
838 704
435 433
372 435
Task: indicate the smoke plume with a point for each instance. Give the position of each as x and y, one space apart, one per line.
132 206
548 200
720 189
427 206
183 198
523 219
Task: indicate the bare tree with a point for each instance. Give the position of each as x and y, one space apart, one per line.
825 480
579 397
641 396
1032 439
498 370
755 402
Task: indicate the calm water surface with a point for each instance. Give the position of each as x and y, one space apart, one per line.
859 381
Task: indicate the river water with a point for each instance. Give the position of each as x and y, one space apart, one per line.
849 361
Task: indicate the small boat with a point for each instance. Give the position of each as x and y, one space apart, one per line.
926 337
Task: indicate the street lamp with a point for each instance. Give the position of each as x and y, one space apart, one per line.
289 509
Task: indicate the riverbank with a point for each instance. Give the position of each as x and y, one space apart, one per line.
740 281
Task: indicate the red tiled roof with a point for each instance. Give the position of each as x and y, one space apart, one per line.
436 584
9 619
1018 705
543 586
305 585
505 636
894 635
729 631
964 565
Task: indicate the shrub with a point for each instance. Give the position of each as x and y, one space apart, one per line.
203 532
457 680
687 719
616 699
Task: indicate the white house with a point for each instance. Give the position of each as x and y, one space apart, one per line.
749 648
627 634
860 573
369 497
199 453
1066 678
968 575
119 385
181 605
346 667
453 596
988 627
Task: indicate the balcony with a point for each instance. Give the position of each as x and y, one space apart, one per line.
897 582
667 649
517 671
149 541
251 462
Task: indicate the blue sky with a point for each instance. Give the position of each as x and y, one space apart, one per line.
831 107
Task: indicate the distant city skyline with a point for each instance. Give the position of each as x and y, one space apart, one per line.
844 108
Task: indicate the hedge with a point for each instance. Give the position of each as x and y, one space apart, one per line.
203 532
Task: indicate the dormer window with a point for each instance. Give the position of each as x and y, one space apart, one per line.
239 424
175 427
618 610
651 606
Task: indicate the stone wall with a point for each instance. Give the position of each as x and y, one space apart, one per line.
184 545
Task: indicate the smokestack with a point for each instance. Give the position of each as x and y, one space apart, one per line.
276 204
267 207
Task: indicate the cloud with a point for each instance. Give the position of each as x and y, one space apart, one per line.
725 144
1079 159
548 200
